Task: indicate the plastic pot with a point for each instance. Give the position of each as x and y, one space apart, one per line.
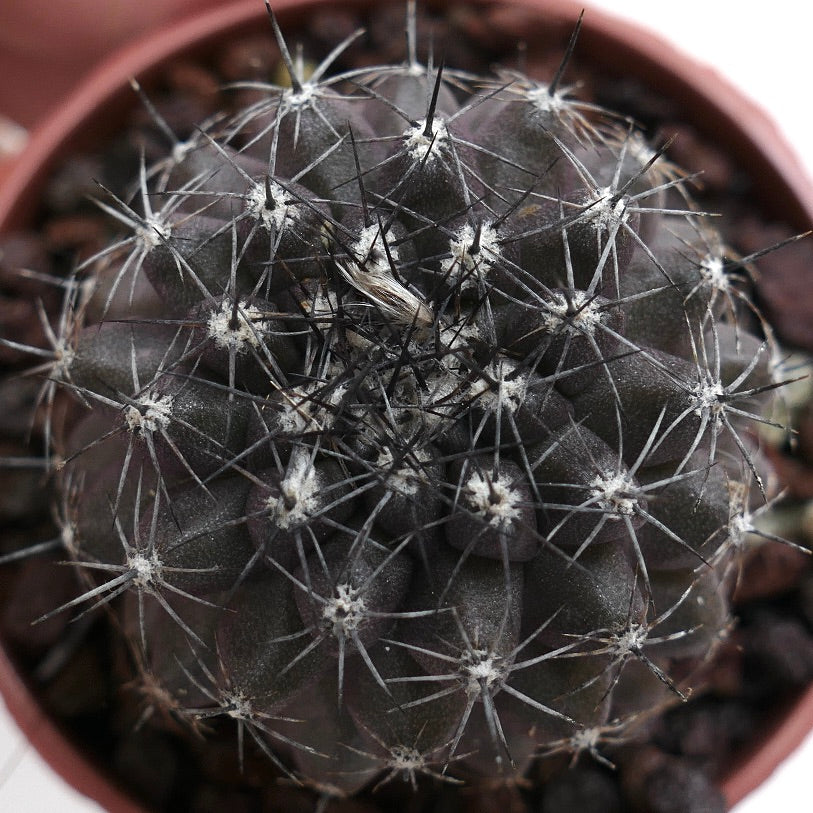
93 109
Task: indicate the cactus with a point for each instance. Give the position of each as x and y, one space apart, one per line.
416 425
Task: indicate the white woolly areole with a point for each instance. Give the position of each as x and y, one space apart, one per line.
631 640
468 268
298 412
424 147
238 337
181 149
707 395
344 611
309 409
69 538
303 96
368 248
299 493
441 403
150 413
275 217
404 758
410 476
237 705
494 499
153 231
580 316
712 270
586 739
615 494
146 569
605 212
478 667
507 393
739 528
545 101
64 355
741 523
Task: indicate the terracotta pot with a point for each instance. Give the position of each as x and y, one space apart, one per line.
47 45
95 106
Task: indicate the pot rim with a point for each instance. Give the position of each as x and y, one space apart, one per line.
747 132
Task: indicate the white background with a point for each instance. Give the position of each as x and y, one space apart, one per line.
765 49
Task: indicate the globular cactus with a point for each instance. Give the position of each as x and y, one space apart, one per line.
417 425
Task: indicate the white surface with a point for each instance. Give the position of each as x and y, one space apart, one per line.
765 49
27 784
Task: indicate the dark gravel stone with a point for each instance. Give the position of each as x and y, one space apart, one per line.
585 789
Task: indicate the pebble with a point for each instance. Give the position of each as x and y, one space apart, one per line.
248 58
657 783
149 763
770 570
81 235
779 656
707 731
585 789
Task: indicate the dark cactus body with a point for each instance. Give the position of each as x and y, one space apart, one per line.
430 441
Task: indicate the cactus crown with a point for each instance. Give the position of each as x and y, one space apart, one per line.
417 426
